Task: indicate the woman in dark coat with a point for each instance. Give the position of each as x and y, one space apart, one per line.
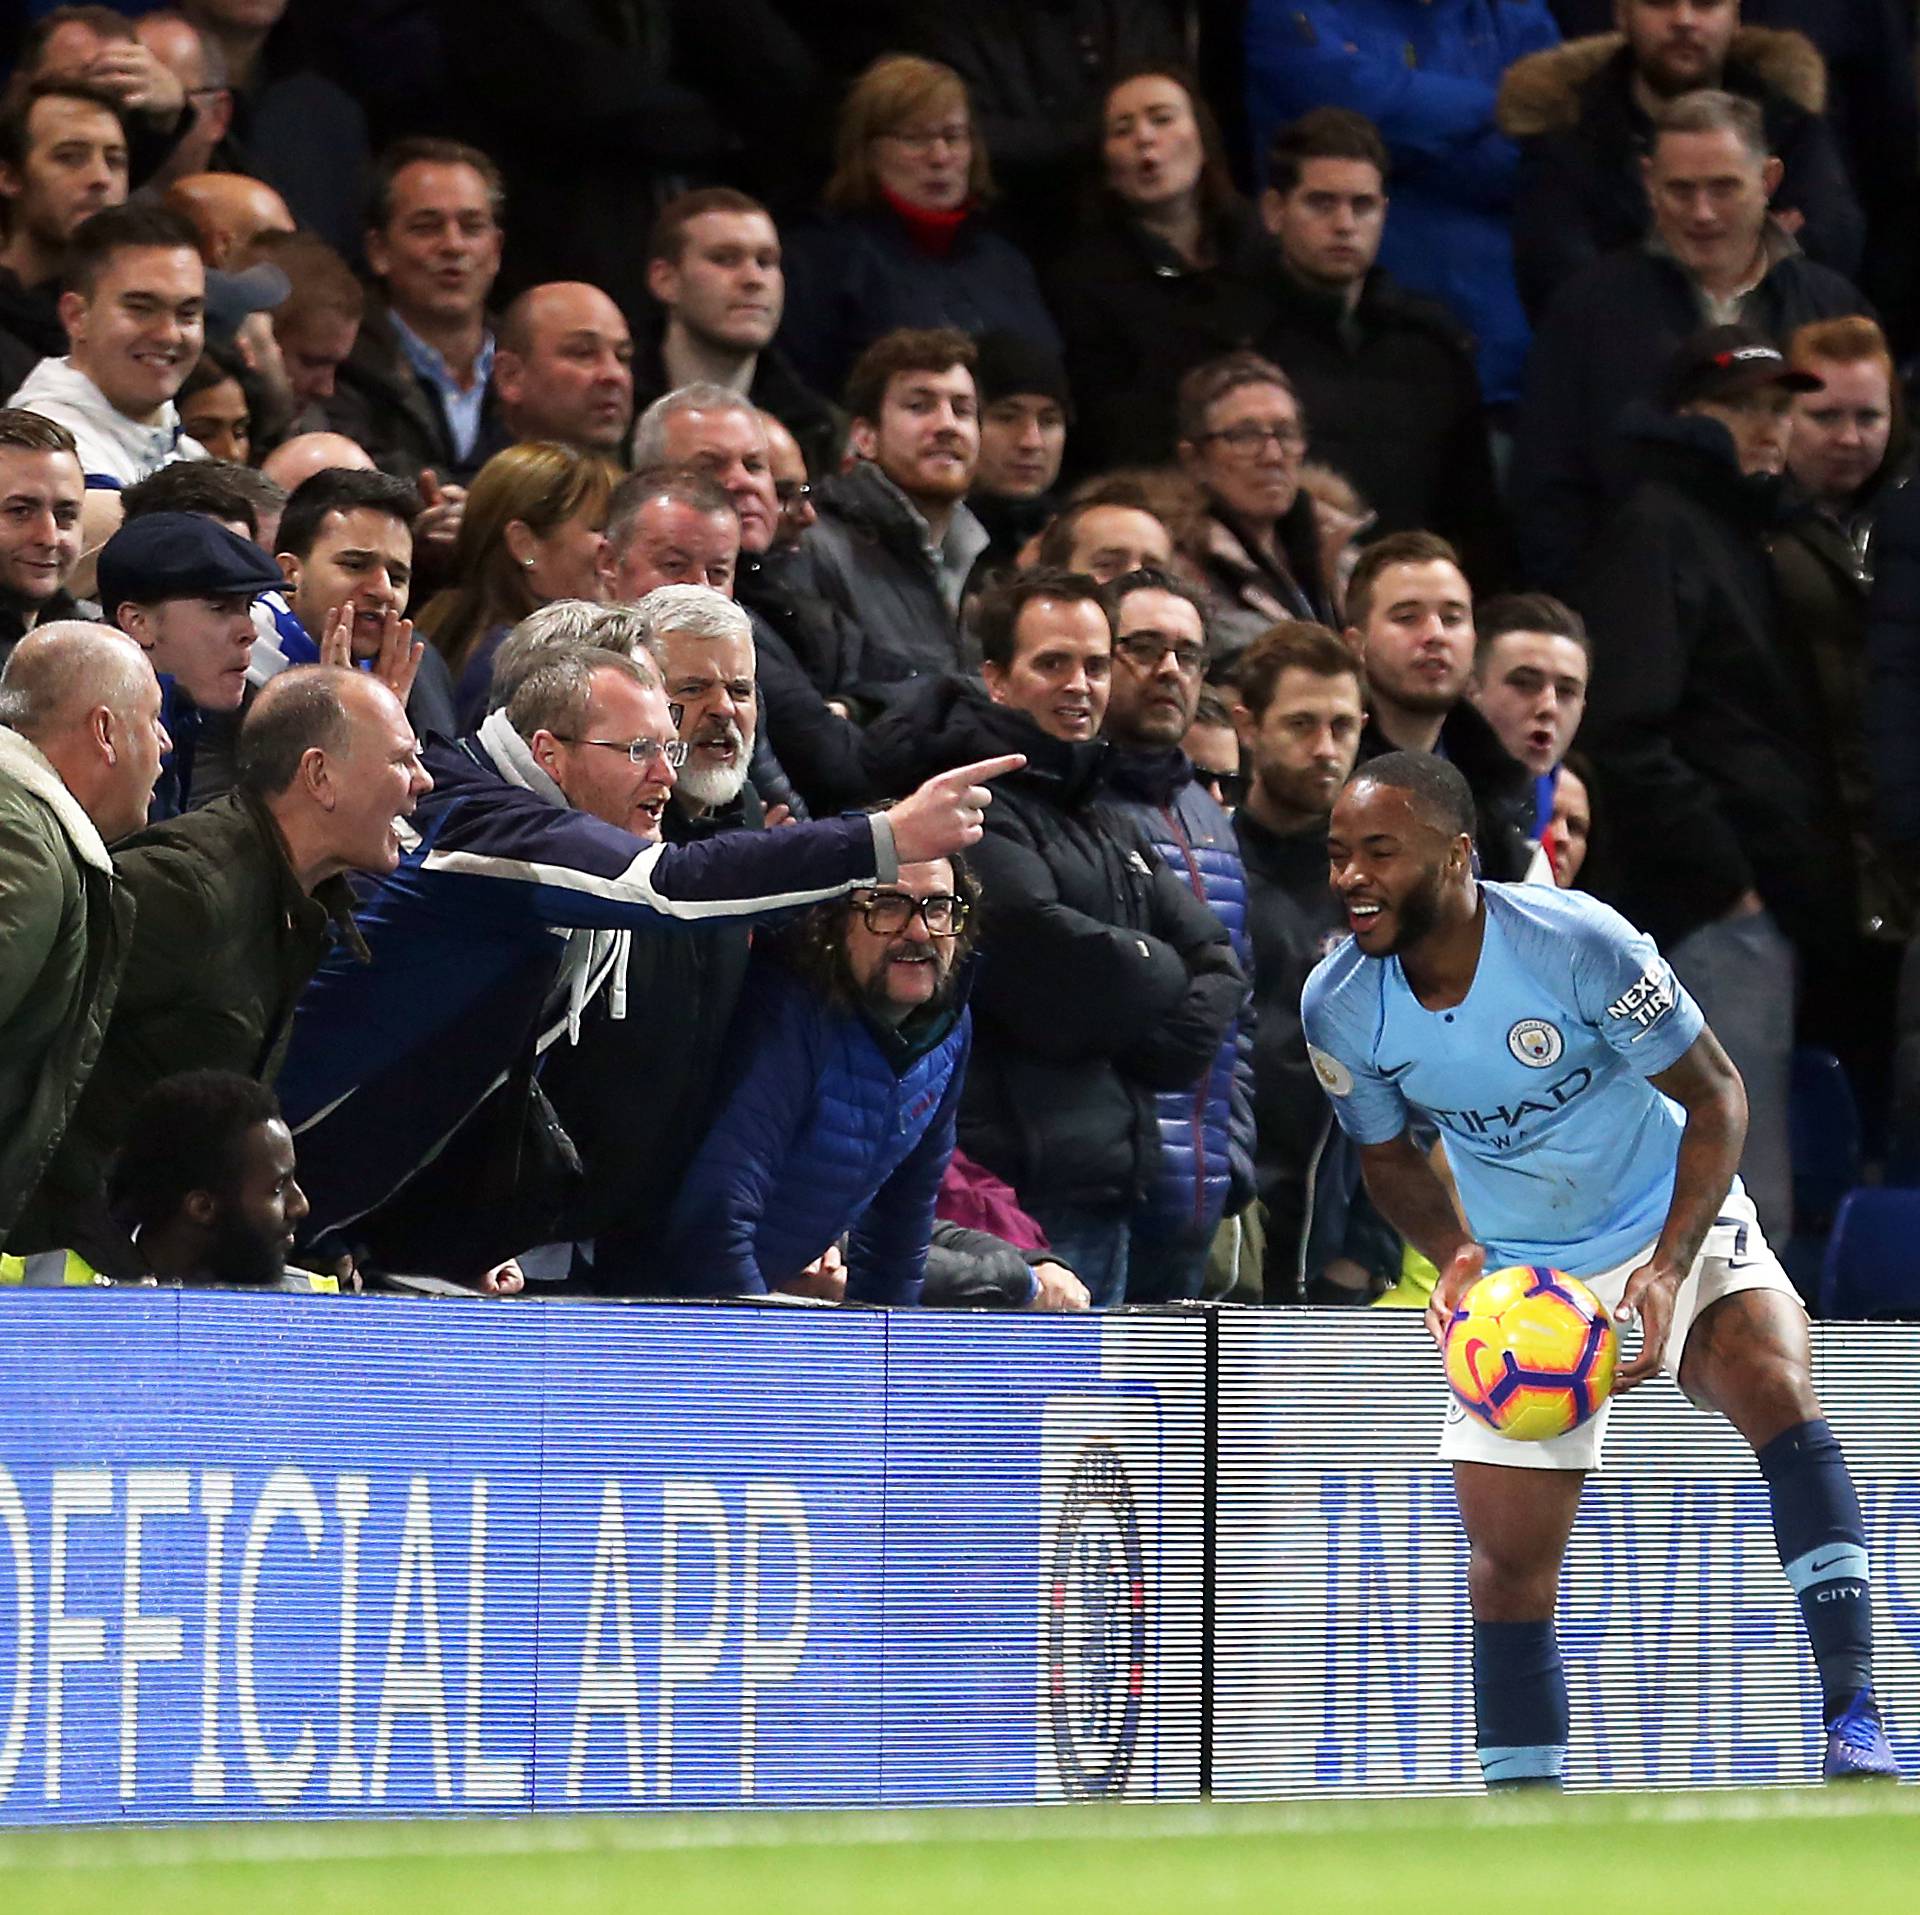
1172 268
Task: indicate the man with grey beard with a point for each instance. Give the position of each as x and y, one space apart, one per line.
703 643
634 1152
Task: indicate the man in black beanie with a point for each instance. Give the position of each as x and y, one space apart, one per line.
1024 409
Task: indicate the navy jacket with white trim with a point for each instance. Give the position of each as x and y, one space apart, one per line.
470 944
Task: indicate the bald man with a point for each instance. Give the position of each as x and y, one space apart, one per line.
564 368
237 904
229 211
80 748
295 462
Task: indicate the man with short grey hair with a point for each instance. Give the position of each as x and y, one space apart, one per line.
80 748
414 1080
1714 255
560 622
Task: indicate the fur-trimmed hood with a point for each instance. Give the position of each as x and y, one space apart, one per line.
1541 93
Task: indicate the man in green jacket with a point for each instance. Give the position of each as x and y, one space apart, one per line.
80 747
237 904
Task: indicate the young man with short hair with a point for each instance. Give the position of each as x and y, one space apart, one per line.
1386 377
42 490
714 270
895 542
1531 663
1410 621
63 157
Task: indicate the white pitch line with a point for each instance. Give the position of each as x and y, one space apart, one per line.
101 1848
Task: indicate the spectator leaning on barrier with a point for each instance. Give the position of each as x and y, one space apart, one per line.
41 492
1302 703
634 1150
1583 114
236 904
843 1068
548 819
1109 980
205 1185
1410 620
1715 255
1206 1135
80 746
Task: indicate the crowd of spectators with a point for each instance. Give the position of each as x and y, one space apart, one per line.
704 651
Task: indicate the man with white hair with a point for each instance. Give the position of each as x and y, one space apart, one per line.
80 749
703 644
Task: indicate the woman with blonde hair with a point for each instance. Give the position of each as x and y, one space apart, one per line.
904 240
532 531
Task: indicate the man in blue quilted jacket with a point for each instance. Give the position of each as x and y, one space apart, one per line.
1206 1132
848 1051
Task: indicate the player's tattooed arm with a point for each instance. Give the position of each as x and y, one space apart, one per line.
1410 1194
1704 1083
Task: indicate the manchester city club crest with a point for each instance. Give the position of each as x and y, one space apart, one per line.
1536 1043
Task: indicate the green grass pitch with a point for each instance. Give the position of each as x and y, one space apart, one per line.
1713 1854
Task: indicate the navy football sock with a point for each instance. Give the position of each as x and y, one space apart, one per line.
1823 1548
1519 1704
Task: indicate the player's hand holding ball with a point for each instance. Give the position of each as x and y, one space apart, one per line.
1530 1353
1461 1274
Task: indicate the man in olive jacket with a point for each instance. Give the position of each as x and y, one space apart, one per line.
237 904
80 748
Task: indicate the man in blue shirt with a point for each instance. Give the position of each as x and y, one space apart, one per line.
1593 1123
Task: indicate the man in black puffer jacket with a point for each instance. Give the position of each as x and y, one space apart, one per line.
1103 979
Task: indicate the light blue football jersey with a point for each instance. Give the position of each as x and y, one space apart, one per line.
1563 1152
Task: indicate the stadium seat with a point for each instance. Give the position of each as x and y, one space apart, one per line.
1872 1266
1823 1123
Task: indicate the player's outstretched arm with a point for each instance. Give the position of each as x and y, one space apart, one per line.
1704 1083
1408 1192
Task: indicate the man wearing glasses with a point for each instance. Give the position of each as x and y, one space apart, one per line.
1206 1140
412 1079
846 1062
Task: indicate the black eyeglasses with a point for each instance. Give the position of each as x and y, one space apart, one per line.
791 491
1227 787
1147 649
639 751
1250 435
888 912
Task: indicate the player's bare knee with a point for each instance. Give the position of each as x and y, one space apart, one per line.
1509 1587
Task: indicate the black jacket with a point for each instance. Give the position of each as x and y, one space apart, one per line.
1502 787
1697 722
1306 1170
1393 402
1135 317
866 568
1583 136
1102 980
30 330
1893 664
817 748
1605 342
382 402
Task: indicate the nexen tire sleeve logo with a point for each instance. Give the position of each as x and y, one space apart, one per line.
1096 1626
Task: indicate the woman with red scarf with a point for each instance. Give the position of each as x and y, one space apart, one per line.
904 240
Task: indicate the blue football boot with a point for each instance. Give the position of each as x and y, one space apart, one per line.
1857 1745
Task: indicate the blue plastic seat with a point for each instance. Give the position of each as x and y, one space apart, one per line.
1872 1266
1823 1128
